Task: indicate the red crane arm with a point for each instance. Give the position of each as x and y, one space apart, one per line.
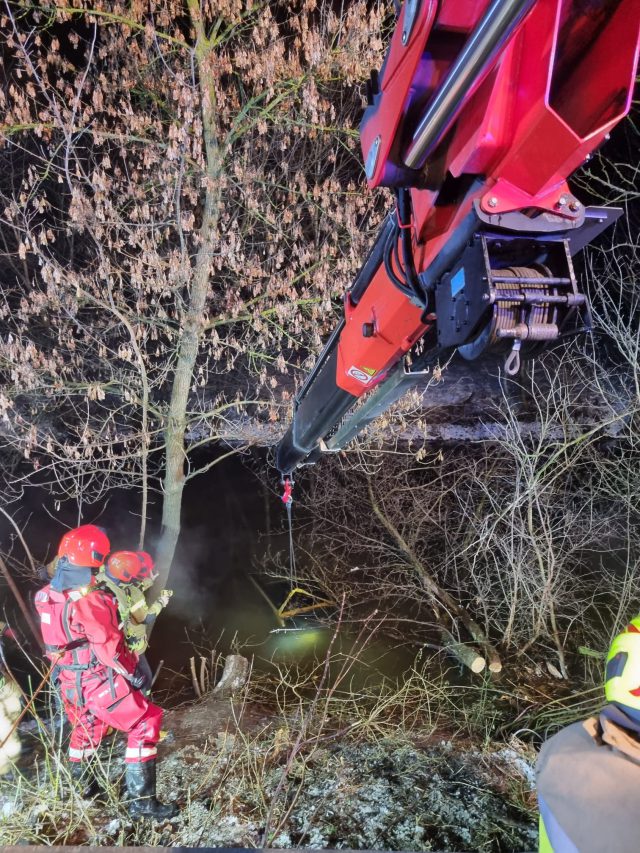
481 112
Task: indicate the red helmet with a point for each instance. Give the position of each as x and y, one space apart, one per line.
148 565
86 546
127 566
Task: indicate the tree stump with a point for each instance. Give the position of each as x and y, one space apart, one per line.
234 676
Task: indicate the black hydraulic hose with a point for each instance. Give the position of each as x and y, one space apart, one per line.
395 255
450 252
404 216
390 254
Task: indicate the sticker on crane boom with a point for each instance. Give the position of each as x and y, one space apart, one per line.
457 282
361 374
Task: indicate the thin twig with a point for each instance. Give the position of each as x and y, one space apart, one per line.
21 538
21 603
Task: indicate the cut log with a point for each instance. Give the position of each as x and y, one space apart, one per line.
465 654
495 664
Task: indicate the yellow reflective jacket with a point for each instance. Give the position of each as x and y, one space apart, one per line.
135 613
587 778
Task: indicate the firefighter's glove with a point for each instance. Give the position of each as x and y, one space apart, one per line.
137 680
163 598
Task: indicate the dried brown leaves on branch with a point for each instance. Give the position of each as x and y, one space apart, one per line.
180 200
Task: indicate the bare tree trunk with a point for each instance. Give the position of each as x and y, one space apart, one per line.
547 586
193 321
434 589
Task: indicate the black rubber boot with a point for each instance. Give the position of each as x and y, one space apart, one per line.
140 781
84 777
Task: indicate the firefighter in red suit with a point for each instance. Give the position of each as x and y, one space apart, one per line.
95 670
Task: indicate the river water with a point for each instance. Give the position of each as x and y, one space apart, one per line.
233 525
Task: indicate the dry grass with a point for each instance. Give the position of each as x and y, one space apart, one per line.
250 784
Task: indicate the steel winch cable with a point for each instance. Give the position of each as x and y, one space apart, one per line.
287 500
292 553
521 310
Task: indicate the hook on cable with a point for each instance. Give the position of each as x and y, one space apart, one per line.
287 498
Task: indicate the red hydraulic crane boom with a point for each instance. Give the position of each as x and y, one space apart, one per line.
481 112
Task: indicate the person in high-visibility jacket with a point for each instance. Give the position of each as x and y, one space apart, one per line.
588 774
97 672
10 707
127 574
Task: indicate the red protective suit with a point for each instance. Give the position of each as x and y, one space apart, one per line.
82 636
